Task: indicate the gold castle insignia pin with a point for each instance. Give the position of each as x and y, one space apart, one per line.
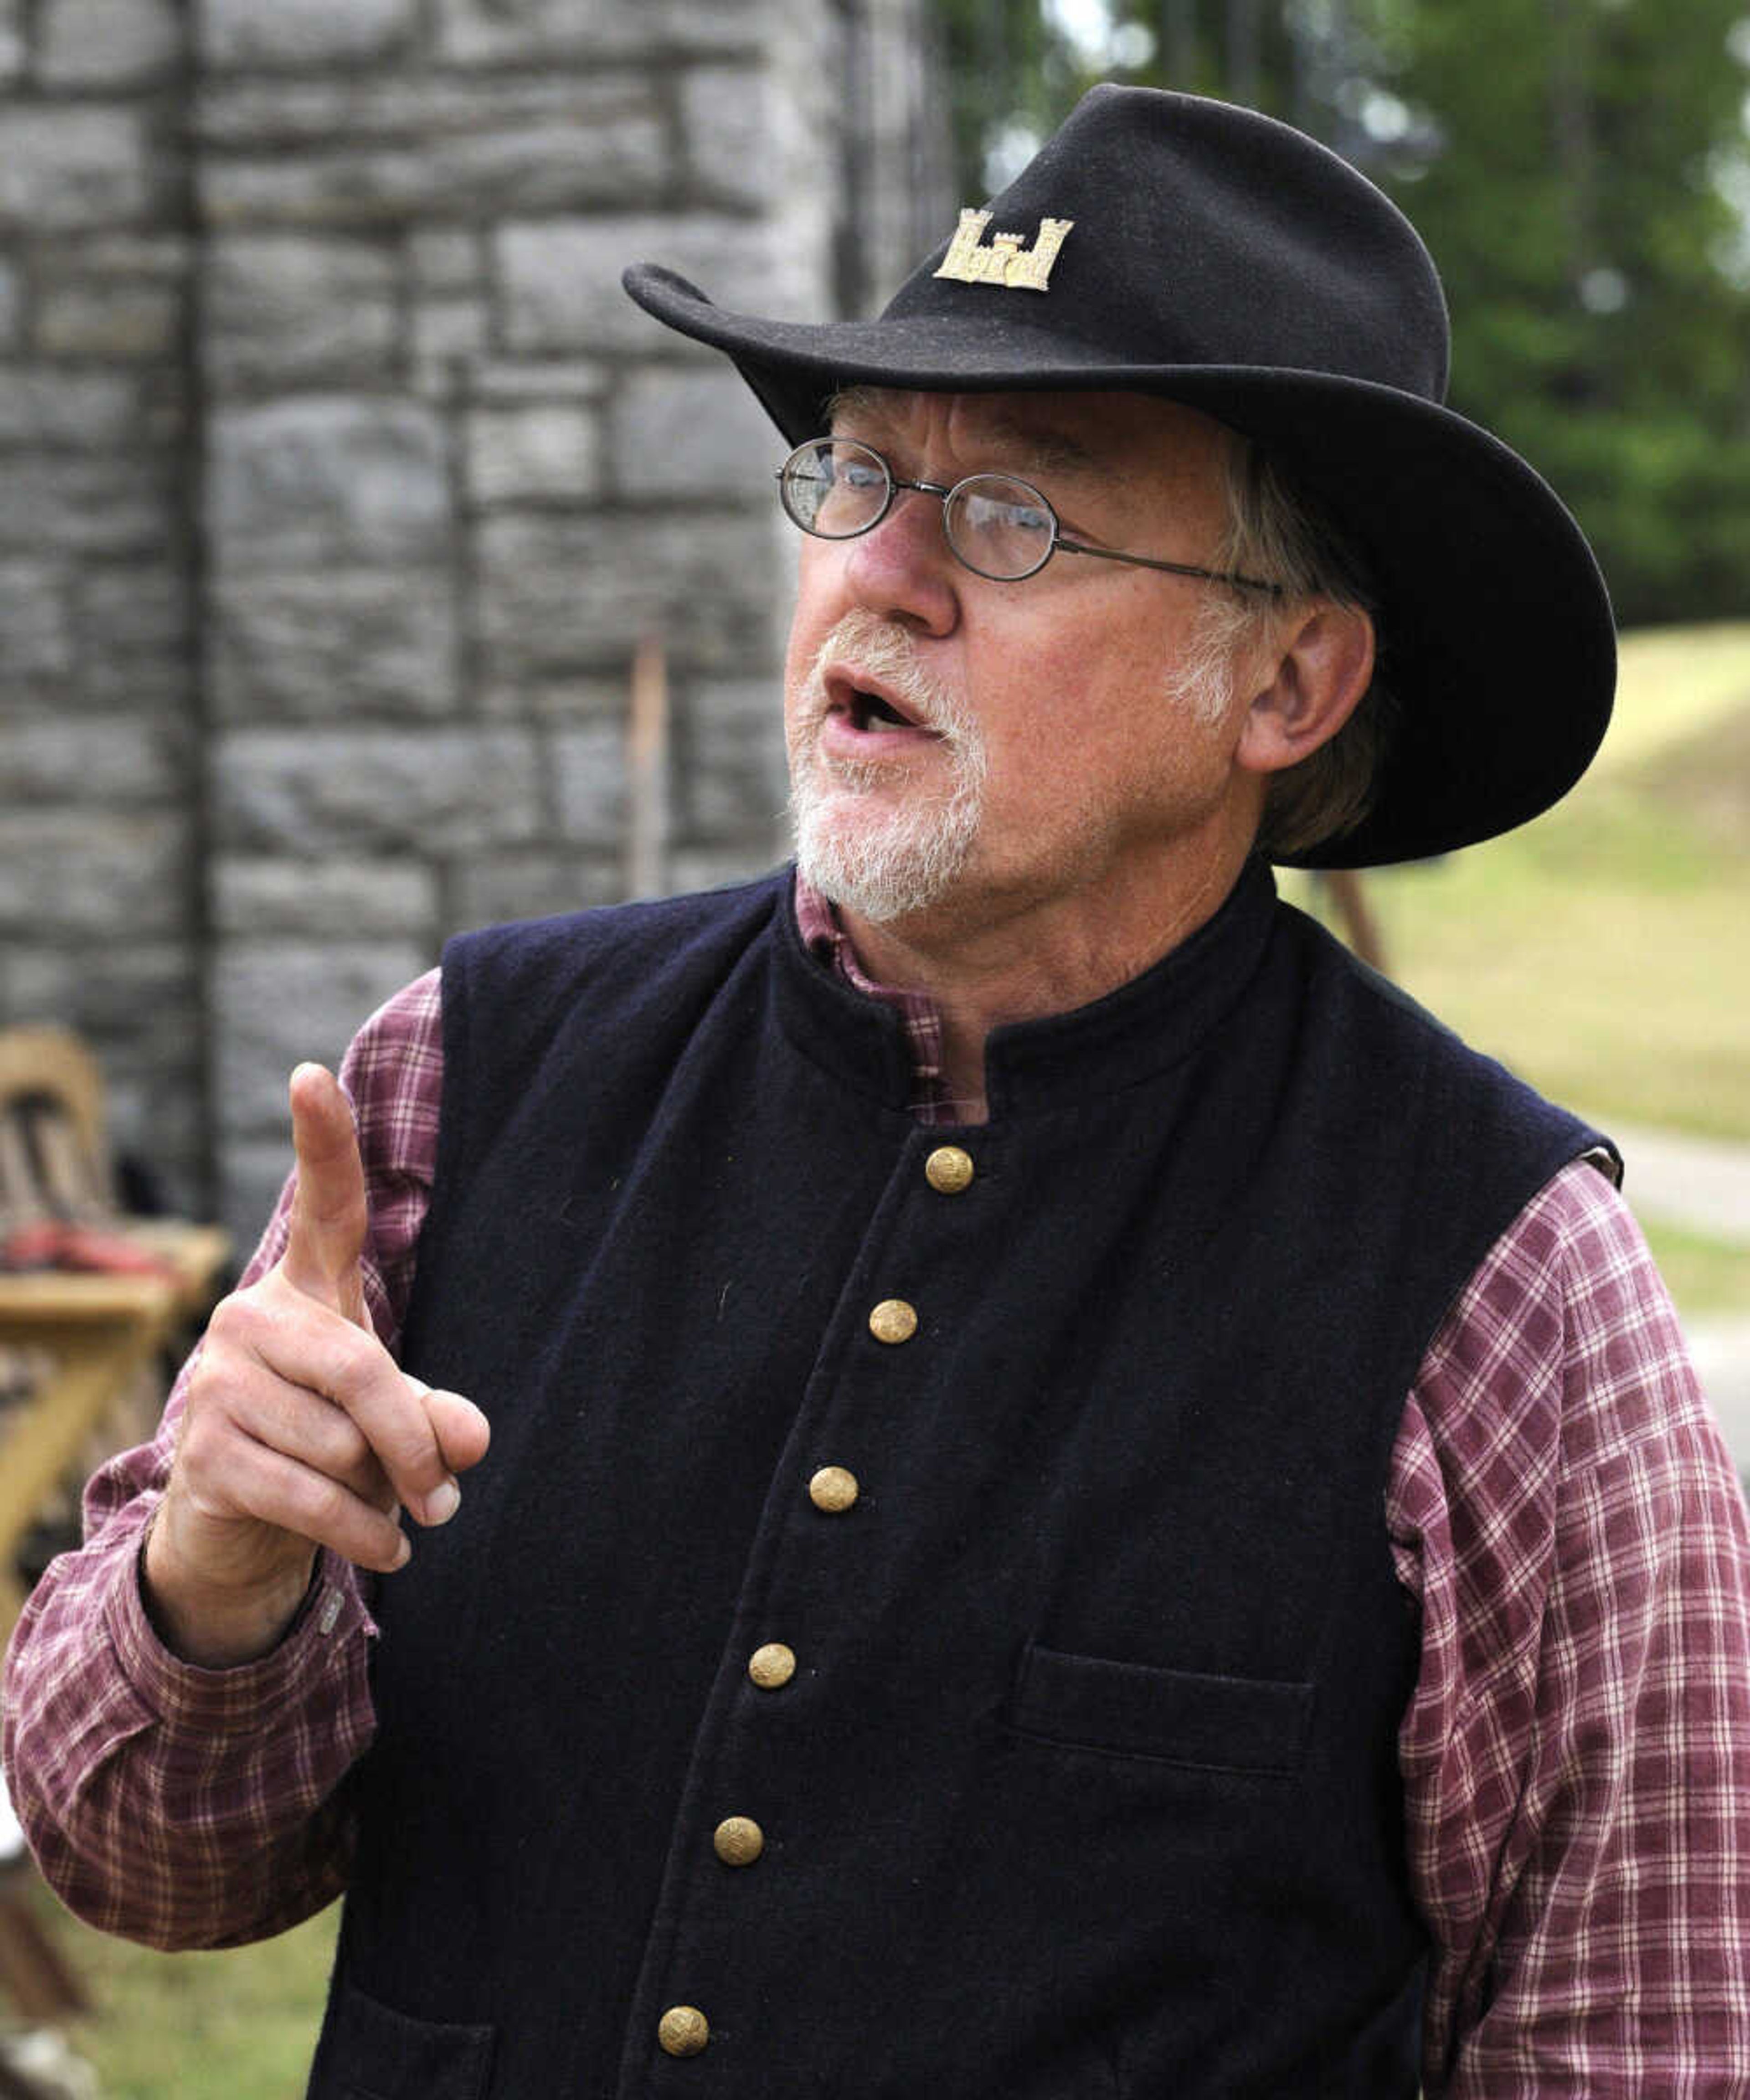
972 260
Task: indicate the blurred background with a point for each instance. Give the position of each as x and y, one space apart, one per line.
348 596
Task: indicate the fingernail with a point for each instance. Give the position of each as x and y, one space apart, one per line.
443 1504
403 1551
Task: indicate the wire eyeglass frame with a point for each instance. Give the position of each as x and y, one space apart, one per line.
789 478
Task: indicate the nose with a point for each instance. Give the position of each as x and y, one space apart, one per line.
904 569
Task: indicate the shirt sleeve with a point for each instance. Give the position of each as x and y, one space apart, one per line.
1576 1752
189 1808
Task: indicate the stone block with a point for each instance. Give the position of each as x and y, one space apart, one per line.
502 32
41 406
735 122
559 700
107 504
533 455
445 259
74 870
111 761
313 33
107 43
714 867
532 885
133 625
11 308
354 791
393 153
107 991
327 899
251 1175
674 432
160 256
326 482
166 404
12 39
560 595
548 379
161 683
729 745
283 309
35 622
276 1003
119 323
397 106
157 1125
448 333
333 646
72 167
589 781
561 289
143 610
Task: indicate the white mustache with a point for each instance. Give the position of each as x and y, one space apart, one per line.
888 652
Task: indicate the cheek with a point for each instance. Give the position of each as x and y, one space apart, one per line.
818 606
1059 700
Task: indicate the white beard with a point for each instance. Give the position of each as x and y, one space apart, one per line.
886 858
886 861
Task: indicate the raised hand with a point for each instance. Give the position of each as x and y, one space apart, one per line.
299 1429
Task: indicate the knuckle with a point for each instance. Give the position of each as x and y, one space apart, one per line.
237 1322
315 1503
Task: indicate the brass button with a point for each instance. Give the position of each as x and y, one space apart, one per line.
683 2031
772 1666
893 1321
737 1841
832 1489
949 1169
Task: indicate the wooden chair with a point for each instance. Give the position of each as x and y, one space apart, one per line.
87 1295
54 1148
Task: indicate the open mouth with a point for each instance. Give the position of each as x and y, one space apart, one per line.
870 711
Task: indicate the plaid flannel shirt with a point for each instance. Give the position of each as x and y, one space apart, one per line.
1575 1754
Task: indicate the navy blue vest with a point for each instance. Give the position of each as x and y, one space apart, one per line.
1084 1782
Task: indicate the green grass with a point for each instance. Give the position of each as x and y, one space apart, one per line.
1601 951
1703 1275
237 2026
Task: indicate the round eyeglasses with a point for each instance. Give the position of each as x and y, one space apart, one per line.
997 525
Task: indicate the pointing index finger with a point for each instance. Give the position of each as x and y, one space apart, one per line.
329 1220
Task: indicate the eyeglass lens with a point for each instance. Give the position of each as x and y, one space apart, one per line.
837 489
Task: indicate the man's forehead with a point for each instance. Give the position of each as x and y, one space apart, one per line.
1067 429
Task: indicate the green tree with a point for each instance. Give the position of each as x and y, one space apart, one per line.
1569 163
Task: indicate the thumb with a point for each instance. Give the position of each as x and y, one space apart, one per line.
329 1218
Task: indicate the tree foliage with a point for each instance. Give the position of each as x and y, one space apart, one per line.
1581 170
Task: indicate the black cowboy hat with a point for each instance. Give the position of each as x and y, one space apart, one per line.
1163 244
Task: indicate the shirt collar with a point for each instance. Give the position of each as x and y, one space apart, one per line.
825 939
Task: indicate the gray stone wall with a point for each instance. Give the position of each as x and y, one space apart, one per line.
344 482
100 836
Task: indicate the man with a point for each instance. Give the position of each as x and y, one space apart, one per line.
1208 1575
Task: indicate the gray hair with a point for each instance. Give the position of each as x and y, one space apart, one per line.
1275 529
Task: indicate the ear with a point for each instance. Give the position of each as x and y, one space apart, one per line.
1316 672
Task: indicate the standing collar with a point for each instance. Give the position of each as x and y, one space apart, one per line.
892 1037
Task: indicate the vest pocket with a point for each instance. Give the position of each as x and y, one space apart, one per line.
371 2052
1219 1723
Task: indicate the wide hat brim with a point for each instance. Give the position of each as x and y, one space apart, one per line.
1497 641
